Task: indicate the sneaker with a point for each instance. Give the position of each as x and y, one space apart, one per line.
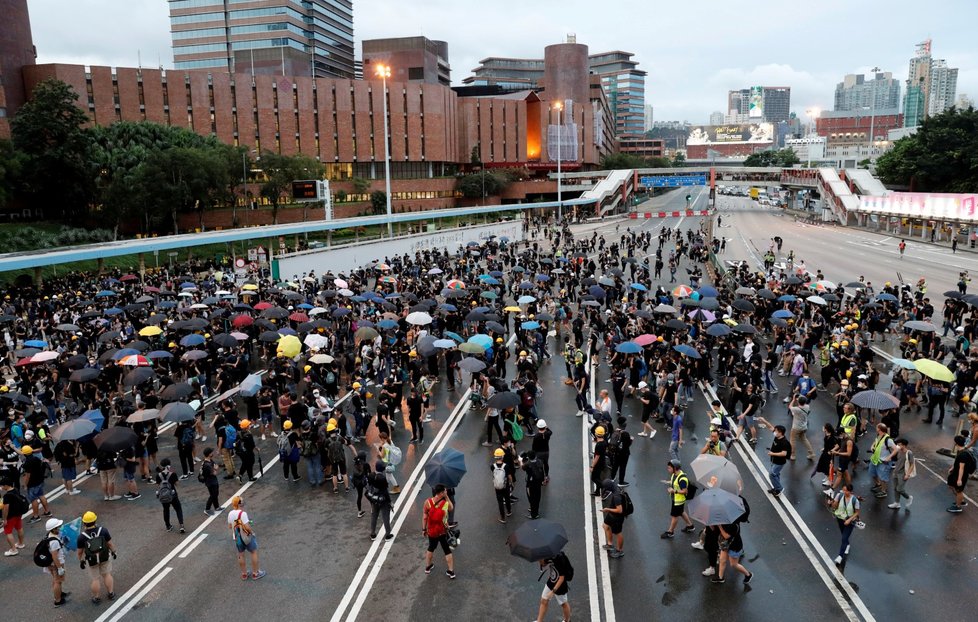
295 479
748 578
616 554
826 482
580 413
860 525
697 545
60 603
501 520
709 572
894 506
258 575
209 512
169 527
427 569
838 560
666 535
111 595
262 437
74 491
373 536
274 435
828 492
182 530
11 553
624 484
450 574
786 400
718 580
135 496
880 495
909 501
105 498
34 519
953 509
388 537
185 476
20 546
96 600
689 529
361 513
642 434
487 444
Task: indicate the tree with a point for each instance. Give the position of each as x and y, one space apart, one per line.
360 185
483 183
378 202
679 160
941 157
783 158
177 180
618 161
11 166
49 131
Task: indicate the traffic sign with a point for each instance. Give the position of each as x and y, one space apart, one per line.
239 262
673 181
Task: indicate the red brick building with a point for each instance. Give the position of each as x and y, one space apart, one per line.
849 127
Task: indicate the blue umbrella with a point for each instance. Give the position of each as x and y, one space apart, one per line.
445 467
96 416
104 293
530 325
340 312
447 307
159 354
639 287
628 347
718 330
526 285
597 291
250 385
113 311
489 280
187 285
124 352
454 336
886 297
305 305
444 343
904 363
289 331
708 291
167 304
685 350
784 314
387 324
481 309
543 277
485 341
525 300
193 340
496 273
36 343
788 298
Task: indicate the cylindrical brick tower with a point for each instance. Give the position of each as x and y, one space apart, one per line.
566 73
16 50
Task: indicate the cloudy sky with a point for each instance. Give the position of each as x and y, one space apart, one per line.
694 50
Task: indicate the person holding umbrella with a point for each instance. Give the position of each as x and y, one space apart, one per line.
559 571
543 541
731 551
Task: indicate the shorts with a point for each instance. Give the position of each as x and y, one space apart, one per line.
880 471
35 492
129 476
677 510
646 416
547 594
433 543
12 523
735 554
250 547
107 477
266 417
69 473
952 481
100 570
615 524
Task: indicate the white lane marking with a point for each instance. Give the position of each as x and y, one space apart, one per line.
190 549
831 576
592 510
135 589
380 549
141 595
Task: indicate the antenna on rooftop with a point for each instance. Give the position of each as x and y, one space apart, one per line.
571 37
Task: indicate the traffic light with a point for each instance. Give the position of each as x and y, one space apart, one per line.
689 198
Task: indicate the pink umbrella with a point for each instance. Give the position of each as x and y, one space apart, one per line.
644 340
239 336
135 360
47 355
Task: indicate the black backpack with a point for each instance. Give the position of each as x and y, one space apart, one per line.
627 507
20 505
96 548
565 562
42 553
745 517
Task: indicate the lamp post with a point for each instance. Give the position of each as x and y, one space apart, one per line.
872 113
558 106
244 185
384 72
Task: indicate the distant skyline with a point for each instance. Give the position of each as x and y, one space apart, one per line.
694 51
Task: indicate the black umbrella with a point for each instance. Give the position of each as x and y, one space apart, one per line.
496 326
445 467
196 323
138 376
76 361
475 316
876 400
177 412
537 539
140 345
471 365
503 400
108 336
116 438
742 304
675 324
954 295
766 294
225 340
793 280
269 337
84 375
176 391
718 330
745 329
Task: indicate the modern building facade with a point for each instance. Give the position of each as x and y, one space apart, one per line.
284 37
760 103
16 51
931 86
880 91
411 59
621 79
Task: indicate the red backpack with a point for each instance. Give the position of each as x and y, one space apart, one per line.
437 518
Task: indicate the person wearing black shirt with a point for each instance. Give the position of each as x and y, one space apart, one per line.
534 483
34 470
415 404
620 444
208 477
541 446
559 568
779 453
598 463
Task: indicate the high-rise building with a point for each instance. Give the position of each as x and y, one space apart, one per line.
284 37
770 104
621 79
716 118
411 59
881 91
649 121
931 86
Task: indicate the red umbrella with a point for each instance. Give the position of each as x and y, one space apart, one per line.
261 306
151 290
644 340
128 277
299 317
240 321
23 362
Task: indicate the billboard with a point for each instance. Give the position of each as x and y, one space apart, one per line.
930 205
756 110
731 134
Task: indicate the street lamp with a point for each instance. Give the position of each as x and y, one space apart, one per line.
384 72
244 185
558 106
872 113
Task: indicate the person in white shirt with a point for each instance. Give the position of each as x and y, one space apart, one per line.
244 538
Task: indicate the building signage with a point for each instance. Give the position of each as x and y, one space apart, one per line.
731 134
673 181
930 205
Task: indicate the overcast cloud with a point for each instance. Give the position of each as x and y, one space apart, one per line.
694 50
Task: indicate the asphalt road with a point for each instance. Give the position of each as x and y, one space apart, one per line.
321 563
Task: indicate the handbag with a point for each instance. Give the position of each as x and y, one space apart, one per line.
454 536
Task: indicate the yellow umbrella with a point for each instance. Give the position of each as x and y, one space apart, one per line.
512 309
249 287
289 346
933 369
150 331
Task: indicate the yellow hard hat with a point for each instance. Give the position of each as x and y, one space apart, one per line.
4 389
887 284
207 335
173 345
332 421
845 343
499 453
499 339
330 427
913 341
307 368
89 517
965 398
244 424
522 352
848 373
287 425
357 385
27 450
599 431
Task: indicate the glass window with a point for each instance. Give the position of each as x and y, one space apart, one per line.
199 33
194 4
196 19
201 64
200 49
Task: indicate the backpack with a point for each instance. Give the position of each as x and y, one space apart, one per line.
515 430
745 517
627 507
565 562
394 454
187 436
534 472
691 490
309 446
230 436
334 451
166 493
614 444
283 445
42 553
498 477
373 493
96 548
330 378
242 533
22 504
437 516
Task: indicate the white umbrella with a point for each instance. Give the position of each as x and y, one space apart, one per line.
419 318
321 359
818 300
435 271
346 292
315 342
341 283
50 355
317 311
